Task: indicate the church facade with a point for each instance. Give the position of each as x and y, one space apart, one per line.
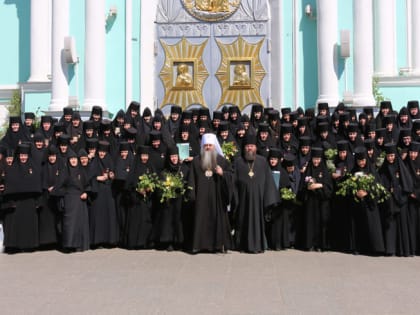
280 53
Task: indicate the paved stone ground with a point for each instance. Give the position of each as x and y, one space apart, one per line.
117 281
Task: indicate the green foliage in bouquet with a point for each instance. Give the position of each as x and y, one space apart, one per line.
229 150
287 194
147 184
361 181
173 186
330 155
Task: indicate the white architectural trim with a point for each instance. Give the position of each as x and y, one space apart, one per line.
128 52
400 81
363 53
95 50
277 88
415 37
6 91
385 38
148 54
327 25
60 29
40 34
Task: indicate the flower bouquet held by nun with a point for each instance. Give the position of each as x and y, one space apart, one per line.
330 155
229 150
287 194
171 187
147 184
360 185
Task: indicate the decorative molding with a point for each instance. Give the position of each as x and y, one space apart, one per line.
207 11
246 55
169 11
240 29
36 87
6 91
399 81
184 30
183 88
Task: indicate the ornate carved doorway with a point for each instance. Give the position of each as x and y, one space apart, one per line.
212 53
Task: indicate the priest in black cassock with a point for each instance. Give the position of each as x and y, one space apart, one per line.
255 193
210 178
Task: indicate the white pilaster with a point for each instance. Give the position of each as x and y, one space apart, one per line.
327 51
363 53
128 52
95 50
276 55
385 51
40 46
415 32
147 51
60 29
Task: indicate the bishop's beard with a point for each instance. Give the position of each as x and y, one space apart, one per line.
249 155
208 160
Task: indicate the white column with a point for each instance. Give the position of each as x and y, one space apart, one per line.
327 51
40 40
415 42
60 29
128 52
385 38
95 50
276 54
363 53
147 53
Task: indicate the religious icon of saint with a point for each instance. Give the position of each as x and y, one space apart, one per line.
241 77
183 78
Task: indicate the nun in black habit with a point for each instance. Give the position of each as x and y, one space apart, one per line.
280 219
316 191
102 215
413 165
14 134
49 216
365 222
123 163
168 227
22 194
73 187
139 217
395 217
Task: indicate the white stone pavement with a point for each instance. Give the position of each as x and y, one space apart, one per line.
116 281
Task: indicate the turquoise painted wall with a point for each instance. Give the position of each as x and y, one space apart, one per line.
37 102
15 39
345 66
77 30
400 95
115 59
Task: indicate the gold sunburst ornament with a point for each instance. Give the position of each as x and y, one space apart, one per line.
183 73
240 73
